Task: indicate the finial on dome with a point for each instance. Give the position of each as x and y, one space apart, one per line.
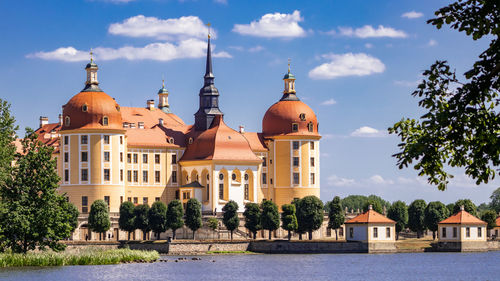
209 24
289 61
91 55
162 81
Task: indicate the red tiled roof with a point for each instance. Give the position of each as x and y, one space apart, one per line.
462 217
150 117
280 116
256 141
370 216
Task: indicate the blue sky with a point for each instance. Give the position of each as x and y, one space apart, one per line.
356 64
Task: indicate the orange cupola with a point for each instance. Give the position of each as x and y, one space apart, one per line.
91 108
289 116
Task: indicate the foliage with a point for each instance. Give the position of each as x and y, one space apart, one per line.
310 214
175 212
230 217
126 220
289 219
252 215
376 206
213 223
99 217
336 216
416 216
157 218
359 202
468 206
495 200
450 208
482 207
434 213
461 125
90 256
300 222
193 215
7 138
270 217
34 215
489 217
398 212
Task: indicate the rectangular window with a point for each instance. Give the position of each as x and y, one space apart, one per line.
388 232
121 200
296 178
144 176
157 176
66 157
66 175
311 145
136 176
174 158
295 145
312 161
454 232
341 232
85 202
145 158
106 156
157 199
208 191
129 199
129 176
84 174
129 158
247 192
221 191
83 139
264 161
351 232
467 232
177 196
375 232
313 178
66 140
106 139
106 174
328 232
121 139
174 176
84 156
264 178
444 232
295 161
106 199
121 174
144 200
121 157
186 195
135 200
295 127
479 232
157 158
135 158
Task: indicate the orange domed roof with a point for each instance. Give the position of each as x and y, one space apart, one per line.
289 117
89 110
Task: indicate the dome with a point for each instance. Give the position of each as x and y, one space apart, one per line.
91 110
290 117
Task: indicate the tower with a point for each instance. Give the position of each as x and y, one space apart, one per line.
91 85
289 92
163 99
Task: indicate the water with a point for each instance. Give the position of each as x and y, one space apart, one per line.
413 266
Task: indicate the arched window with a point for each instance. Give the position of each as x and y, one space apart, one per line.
105 121
190 141
233 176
67 121
302 117
310 126
221 176
246 177
85 108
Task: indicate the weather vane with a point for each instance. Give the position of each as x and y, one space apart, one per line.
289 62
208 24
91 55
163 80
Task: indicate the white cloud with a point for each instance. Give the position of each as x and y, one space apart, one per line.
348 64
432 43
273 25
405 83
329 102
176 28
190 48
334 180
378 179
330 32
368 45
368 132
368 31
412 15
255 49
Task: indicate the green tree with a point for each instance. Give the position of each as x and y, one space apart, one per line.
213 223
354 202
99 218
289 219
157 218
461 123
495 200
310 213
193 215
450 208
416 216
434 213
34 215
7 138
490 217
335 215
376 206
141 220
398 212
126 220
270 217
468 206
175 212
383 203
482 207
300 221
252 218
230 217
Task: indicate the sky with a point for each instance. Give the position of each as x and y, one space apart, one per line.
356 63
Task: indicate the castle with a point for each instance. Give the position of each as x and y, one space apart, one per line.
146 154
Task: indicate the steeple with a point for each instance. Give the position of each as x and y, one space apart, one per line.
91 85
209 96
163 98
289 92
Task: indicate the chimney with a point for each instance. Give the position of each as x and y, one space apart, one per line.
242 129
160 121
60 120
151 104
370 207
44 121
462 208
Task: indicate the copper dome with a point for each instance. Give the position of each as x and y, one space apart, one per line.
89 110
289 117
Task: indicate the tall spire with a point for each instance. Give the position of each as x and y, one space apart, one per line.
209 76
91 85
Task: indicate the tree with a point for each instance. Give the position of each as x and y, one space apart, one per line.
193 215
213 223
99 218
450 208
175 212
489 217
495 200
310 213
252 218
468 206
7 138
354 202
157 217
376 206
289 219
398 212
34 214
461 125
126 220
270 217
141 220
335 215
383 203
416 216
300 221
434 213
230 217
482 207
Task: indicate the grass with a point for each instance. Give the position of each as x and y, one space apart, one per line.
230 252
85 257
414 244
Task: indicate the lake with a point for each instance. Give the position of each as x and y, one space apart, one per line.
411 266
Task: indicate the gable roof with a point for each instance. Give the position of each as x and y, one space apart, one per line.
370 216
462 217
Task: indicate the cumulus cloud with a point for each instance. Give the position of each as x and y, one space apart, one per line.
273 25
348 64
329 102
190 48
367 132
176 28
412 15
378 179
335 180
368 31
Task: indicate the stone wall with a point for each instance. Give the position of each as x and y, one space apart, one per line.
466 246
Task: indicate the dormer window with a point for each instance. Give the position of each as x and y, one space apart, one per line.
295 127
171 140
190 141
302 117
85 108
125 125
141 125
105 121
310 126
118 108
66 121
